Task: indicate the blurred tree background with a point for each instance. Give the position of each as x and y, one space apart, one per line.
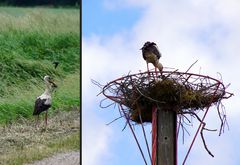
53 3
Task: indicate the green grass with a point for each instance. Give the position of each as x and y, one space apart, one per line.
40 19
30 40
21 102
21 11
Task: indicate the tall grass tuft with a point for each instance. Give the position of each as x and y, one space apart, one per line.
40 19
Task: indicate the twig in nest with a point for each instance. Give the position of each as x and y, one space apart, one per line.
185 117
146 96
99 85
110 104
125 126
183 131
201 132
169 74
191 66
114 120
204 143
203 123
222 117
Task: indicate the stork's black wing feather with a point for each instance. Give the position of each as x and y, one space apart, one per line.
153 48
143 54
40 106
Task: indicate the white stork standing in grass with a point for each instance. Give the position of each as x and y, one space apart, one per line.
44 101
152 55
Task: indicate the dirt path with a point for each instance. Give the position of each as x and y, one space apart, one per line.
24 133
70 158
23 136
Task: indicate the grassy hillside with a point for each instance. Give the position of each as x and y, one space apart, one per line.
30 40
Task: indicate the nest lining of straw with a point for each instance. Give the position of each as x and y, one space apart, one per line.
167 94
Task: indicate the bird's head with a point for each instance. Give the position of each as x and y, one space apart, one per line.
146 44
50 81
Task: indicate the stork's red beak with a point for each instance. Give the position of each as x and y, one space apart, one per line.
53 83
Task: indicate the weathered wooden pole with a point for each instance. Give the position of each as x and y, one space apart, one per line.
166 147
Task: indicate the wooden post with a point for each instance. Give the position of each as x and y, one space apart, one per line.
166 137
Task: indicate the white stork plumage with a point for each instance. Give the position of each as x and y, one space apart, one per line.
44 101
152 55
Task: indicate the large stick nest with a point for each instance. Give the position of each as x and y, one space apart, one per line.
181 92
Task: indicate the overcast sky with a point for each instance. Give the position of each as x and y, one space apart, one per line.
185 31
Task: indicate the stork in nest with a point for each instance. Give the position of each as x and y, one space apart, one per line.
152 55
44 101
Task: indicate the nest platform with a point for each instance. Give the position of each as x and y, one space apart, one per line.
185 93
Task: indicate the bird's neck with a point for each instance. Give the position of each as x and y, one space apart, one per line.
48 90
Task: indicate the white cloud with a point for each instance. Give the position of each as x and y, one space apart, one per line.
95 140
120 4
186 31
222 151
100 61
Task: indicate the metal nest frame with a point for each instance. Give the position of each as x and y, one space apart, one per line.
186 93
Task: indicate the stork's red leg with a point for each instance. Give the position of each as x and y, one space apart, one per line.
46 118
148 69
148 73
156 72
37 121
